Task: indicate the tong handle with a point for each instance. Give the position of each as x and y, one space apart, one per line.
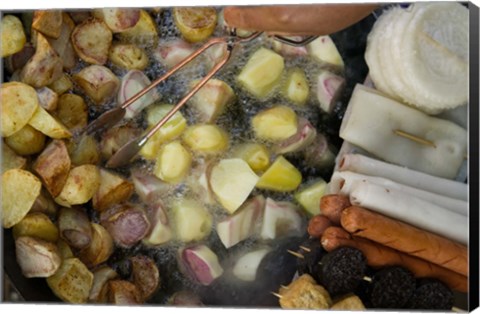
295 43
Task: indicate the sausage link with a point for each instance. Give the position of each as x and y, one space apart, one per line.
378 255
406 238
332 205
317 225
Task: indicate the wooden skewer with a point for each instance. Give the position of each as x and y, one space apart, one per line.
306 249
456 309
284 287
296 254
414 138
276 294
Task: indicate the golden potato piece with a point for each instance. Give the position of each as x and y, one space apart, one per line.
72 111
47 98
10 160
99 291
128 56
118 19
53 166
72 281
36 257
64 249
20 189
82 183
13 36
113 190
48 22
62 85
195 24
49 125
45 67
100 249
122 292
36 225
144 33
27 141
19 103
98 82
92 40
84 151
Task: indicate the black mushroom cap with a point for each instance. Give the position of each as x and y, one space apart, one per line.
392 287
431 294
342 270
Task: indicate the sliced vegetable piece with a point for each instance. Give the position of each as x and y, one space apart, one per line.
305 136
84 151
132 83
10 160
118 19
170 53
128 56
296 87
92 40
115 138
72 282
48 22
275 124
148 187
20 189
173 162
329 89
201 264
27 141
63 45
75 228
100 249
47 98
72 111
19 104
323 49
145 275
144 33
281 176
99 291
98 82
49 125
82 183
246 266
161 232
195 24
320 154
281 219
62 85
36 257
13 35
211 100
256 155
262 72
243 224
192 221
232 181
309 196
36 225
122 292
113 189
208 139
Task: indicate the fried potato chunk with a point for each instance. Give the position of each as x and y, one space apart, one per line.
13 36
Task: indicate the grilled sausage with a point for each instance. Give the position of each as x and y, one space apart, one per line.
317 225
332 205
406 238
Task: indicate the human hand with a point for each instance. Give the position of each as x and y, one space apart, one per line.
312 19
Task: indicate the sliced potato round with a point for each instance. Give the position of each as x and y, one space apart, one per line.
19 103
13 36
27 141
91 40
72 111
20 189
48 124
195 24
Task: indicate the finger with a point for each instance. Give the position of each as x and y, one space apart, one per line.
318 19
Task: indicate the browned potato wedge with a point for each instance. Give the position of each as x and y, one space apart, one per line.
75 227
47 98
98 82
49 125
72 111
145 275
101 276
113 190
27 141
45 67
48 22
195 23
72 282
118 19
62 44
20 188
82 183
13 36
19 104
100 249
85 151
128 56
53 166
44 204
122 292
91 40
36 257
144 33
36 225
10 160
62 85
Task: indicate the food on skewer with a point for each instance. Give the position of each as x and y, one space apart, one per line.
431 294
312 252
391 288
304 293
349 303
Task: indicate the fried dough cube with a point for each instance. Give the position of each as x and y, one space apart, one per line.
304 293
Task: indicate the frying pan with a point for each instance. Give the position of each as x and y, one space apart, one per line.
351 45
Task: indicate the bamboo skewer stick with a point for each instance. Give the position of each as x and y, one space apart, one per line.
414 138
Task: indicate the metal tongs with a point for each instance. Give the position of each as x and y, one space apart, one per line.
111 117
